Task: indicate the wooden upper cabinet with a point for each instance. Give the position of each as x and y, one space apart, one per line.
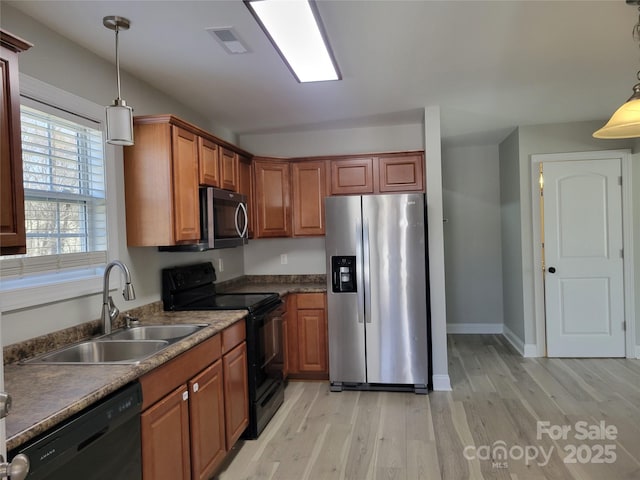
228 169
401 173
185 185
309 187
13 239
273 217
352 176
161 186
245 187
209 165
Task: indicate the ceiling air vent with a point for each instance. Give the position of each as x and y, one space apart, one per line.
228 38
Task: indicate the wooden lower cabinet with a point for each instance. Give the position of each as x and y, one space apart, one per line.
307 345
195 407
236 393
206 421
165 438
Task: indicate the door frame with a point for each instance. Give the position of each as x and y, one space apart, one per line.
627 242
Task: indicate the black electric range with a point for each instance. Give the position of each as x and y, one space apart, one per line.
192 287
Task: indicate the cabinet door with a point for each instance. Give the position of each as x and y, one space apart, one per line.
228 169
165 438
401 173
206 416
308 192
208 162
352 176
272 199
236 393
185 185
245 187
312 340
12 227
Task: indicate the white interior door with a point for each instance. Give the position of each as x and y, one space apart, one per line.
584 286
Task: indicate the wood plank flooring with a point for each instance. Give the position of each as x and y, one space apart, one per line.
491 426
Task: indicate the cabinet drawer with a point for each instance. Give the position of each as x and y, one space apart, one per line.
310 300
159 382
233 336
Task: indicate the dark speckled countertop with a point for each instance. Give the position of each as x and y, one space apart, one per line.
44 395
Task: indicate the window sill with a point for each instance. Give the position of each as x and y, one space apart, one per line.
35 290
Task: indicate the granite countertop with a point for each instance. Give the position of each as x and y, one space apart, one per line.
45 395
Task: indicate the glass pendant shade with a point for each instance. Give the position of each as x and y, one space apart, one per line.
119 123
625 122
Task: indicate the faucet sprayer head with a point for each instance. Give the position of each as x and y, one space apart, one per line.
128 293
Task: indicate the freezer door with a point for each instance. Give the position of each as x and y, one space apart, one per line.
395 289
345 309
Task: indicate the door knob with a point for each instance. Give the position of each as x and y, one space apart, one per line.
551 269
17 469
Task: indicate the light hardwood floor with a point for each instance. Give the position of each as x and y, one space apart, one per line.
499 399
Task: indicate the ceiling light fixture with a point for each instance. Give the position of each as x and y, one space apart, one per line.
296 31
119 115
625 122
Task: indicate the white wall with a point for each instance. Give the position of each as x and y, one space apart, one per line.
473 262
304 256
342 141
63 64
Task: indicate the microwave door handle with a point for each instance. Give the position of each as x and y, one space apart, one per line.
246 219
244 210
210 225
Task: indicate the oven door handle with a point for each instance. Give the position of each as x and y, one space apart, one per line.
246 220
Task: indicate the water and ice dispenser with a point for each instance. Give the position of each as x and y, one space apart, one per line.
343 273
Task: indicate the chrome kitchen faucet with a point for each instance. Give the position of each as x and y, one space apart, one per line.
109 310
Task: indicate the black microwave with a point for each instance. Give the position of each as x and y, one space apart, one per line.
223 221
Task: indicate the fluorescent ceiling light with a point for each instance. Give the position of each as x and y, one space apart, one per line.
295 29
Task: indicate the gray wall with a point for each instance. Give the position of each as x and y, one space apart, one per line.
63 64
517 210
510 232
471 197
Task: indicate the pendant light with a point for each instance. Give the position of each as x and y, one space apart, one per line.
625 122
119 115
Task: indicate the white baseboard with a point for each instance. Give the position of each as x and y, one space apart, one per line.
527 350
475 328
441 383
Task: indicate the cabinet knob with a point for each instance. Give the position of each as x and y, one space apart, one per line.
551 269
17 469
196 387
185 395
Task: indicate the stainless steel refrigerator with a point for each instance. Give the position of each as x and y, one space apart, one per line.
377 292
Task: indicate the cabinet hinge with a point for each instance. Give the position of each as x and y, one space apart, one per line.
624 326
622 253
620 180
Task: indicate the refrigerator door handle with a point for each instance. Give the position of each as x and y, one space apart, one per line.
359 282
367 267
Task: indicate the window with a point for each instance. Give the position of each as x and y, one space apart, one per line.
64 188
70 222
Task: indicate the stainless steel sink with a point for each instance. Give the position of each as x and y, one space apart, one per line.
103 352
171 333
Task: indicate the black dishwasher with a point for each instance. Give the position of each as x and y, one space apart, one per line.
99 443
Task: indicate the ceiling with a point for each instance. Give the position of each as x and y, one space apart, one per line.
490 66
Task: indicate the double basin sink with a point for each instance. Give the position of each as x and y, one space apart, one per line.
126 346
